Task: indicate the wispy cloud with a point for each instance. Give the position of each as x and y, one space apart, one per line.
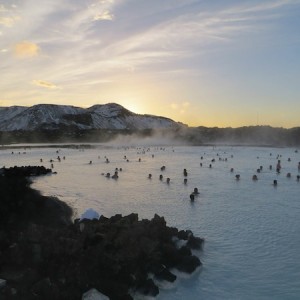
104 16
8 21
262 7
191 33
183 36
8 16
44 84
187 32
102 10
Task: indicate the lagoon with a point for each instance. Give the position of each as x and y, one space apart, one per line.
251 228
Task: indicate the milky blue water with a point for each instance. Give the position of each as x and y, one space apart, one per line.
251 228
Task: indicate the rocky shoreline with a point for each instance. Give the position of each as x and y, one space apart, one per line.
44 255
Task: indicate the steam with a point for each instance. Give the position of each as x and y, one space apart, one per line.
157 138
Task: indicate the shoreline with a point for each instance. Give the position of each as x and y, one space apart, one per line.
44 255
109 145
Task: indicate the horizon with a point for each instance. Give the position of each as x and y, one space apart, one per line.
210 64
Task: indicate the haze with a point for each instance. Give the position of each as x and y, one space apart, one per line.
211 63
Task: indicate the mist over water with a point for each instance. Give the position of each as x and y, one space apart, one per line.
157 137
251 228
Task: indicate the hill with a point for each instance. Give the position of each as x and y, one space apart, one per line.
54 117
48 123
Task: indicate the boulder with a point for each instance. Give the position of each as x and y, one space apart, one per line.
194 242
165 275
188 264
148 288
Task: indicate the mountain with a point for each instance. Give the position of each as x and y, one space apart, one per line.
54 117
101 123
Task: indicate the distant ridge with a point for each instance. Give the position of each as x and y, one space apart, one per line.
245 136
55 117
49 123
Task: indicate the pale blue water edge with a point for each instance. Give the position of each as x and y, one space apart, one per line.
251 229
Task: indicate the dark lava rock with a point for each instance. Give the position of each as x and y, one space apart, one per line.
21 205
24 171
194 242
188 264
148 288
43 255
165 275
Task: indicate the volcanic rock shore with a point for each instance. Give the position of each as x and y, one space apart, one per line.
45 255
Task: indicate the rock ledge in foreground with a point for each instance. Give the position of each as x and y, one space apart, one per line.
114 255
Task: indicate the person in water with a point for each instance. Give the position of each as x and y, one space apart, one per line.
278 166
196 192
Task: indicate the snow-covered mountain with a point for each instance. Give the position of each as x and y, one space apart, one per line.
49 116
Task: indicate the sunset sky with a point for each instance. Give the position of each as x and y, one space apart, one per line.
210 63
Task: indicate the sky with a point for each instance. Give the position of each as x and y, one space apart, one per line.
225 63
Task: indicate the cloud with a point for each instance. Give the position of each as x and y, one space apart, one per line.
8 18
9 21
80 20
135 41
262 7
106 1
198 29
44 84
26 49
104 16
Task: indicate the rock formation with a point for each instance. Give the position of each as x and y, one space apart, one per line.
43 255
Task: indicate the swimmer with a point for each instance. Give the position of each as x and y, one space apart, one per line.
196 192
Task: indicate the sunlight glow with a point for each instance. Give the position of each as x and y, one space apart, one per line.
26 49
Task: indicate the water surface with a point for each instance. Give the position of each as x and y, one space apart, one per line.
251 228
